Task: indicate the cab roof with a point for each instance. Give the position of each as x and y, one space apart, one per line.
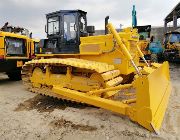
172 32
66 11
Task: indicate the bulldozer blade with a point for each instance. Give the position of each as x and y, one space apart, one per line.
149 106
153 93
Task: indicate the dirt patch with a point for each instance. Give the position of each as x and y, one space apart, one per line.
64 123
136 133
46 104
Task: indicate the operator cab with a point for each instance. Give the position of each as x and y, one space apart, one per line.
64 29
171 37
144 31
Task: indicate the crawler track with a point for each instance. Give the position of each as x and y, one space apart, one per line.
110 76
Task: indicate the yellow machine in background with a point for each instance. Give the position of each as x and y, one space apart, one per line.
100 70
15 50
144 40
172 47
143 45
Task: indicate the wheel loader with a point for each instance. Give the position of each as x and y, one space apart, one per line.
16 48
101 71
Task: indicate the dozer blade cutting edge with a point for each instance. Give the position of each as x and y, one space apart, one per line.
148 109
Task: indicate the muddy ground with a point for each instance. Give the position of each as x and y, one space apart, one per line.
25 115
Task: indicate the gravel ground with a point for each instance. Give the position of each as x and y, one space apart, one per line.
24 115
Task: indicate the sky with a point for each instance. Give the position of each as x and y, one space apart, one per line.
31 13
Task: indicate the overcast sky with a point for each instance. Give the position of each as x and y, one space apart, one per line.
31 13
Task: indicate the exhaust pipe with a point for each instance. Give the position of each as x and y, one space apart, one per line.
106 23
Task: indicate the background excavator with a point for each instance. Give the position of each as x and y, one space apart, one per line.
151 48
16 48
102 71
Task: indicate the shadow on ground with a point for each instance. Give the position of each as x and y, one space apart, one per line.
5 81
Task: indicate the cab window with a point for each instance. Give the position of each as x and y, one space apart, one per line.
53 25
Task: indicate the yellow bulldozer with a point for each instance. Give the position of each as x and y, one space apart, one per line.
16 48
144 40
102 70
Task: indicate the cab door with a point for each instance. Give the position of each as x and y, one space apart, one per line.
69 38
